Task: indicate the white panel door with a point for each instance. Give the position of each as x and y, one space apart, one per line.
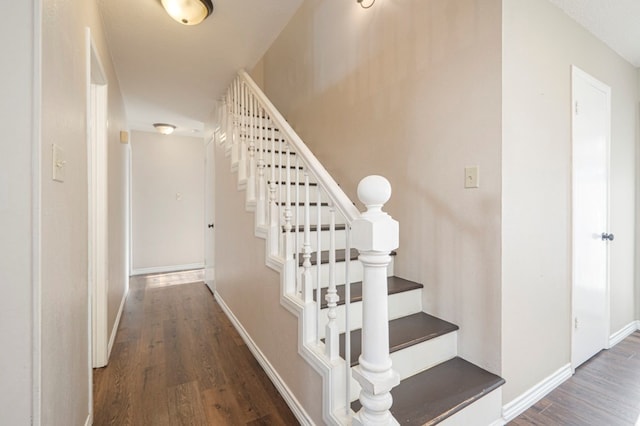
590 131
209 198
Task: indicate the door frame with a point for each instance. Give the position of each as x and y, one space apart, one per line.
97 163
578 73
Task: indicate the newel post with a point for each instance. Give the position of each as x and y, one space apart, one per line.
375 234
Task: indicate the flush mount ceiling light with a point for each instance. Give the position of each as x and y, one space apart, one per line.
164 128
188 12
366 4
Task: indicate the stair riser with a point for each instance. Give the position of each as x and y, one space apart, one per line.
420 357
355 272
325 237
485 411
325 214
400 305
294 173
281 195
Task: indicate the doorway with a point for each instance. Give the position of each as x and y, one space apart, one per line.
591 121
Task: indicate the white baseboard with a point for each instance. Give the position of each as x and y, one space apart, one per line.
520 404
89 420
162 269
116 323
623 333
282 387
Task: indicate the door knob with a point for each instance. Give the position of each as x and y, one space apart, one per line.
606 236
211 226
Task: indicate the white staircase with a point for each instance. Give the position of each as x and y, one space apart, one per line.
319 242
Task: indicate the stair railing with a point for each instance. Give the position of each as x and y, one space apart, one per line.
270 158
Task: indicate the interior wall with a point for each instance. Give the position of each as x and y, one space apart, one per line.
17 114
167 202
65 390
252 290
410 90
540 43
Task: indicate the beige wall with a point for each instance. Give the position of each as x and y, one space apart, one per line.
17 110
168 229
410 90
252 290
65 338
540 45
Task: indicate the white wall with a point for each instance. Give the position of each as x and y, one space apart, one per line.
410 90
65 389
540 45
18 64
252 290
168 233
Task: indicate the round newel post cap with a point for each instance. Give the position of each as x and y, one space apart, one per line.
373 192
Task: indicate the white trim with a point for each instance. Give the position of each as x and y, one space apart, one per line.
282 387
162 269
116 323
36 218
623 333
89 420
520 404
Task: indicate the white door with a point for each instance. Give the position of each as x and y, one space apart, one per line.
209 198
590 297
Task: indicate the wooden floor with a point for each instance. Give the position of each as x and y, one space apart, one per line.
177 360
605 391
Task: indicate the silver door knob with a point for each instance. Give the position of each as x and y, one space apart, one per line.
606 236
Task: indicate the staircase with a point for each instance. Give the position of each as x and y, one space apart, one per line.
360 315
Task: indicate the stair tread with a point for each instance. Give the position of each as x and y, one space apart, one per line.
324 256
394 285
302 203
292 183
403 333
439 392
314 228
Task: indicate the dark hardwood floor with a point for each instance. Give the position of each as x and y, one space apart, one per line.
177 360
605 391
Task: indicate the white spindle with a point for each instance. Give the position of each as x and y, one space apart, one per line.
288 215
242 154
374 372
347 323
235 148
251 178
261 207
281 185
331 334
296 209
307 284
273 206
318 251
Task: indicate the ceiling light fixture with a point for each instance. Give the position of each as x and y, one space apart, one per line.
164 128
369 3
188 12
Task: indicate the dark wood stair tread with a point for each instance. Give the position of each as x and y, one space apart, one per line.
292 183
394 285
403 332
302 203
314 228
439 392
324 256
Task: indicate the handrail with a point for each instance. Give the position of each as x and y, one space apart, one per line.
341 201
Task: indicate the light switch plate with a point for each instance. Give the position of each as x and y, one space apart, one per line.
472 177
58 164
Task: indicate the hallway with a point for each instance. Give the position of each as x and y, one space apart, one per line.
177 360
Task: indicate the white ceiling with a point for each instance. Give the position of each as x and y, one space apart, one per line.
615 22
174 73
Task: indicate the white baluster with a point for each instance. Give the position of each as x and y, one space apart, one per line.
307 284
318 251
273 206
281 185
242 154
288 215
261 207
332 298
375 234
251 178
296 229
235 132
347 322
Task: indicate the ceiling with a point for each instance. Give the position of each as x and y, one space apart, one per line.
174 73
615 22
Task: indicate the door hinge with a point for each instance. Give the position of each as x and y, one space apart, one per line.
575 323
